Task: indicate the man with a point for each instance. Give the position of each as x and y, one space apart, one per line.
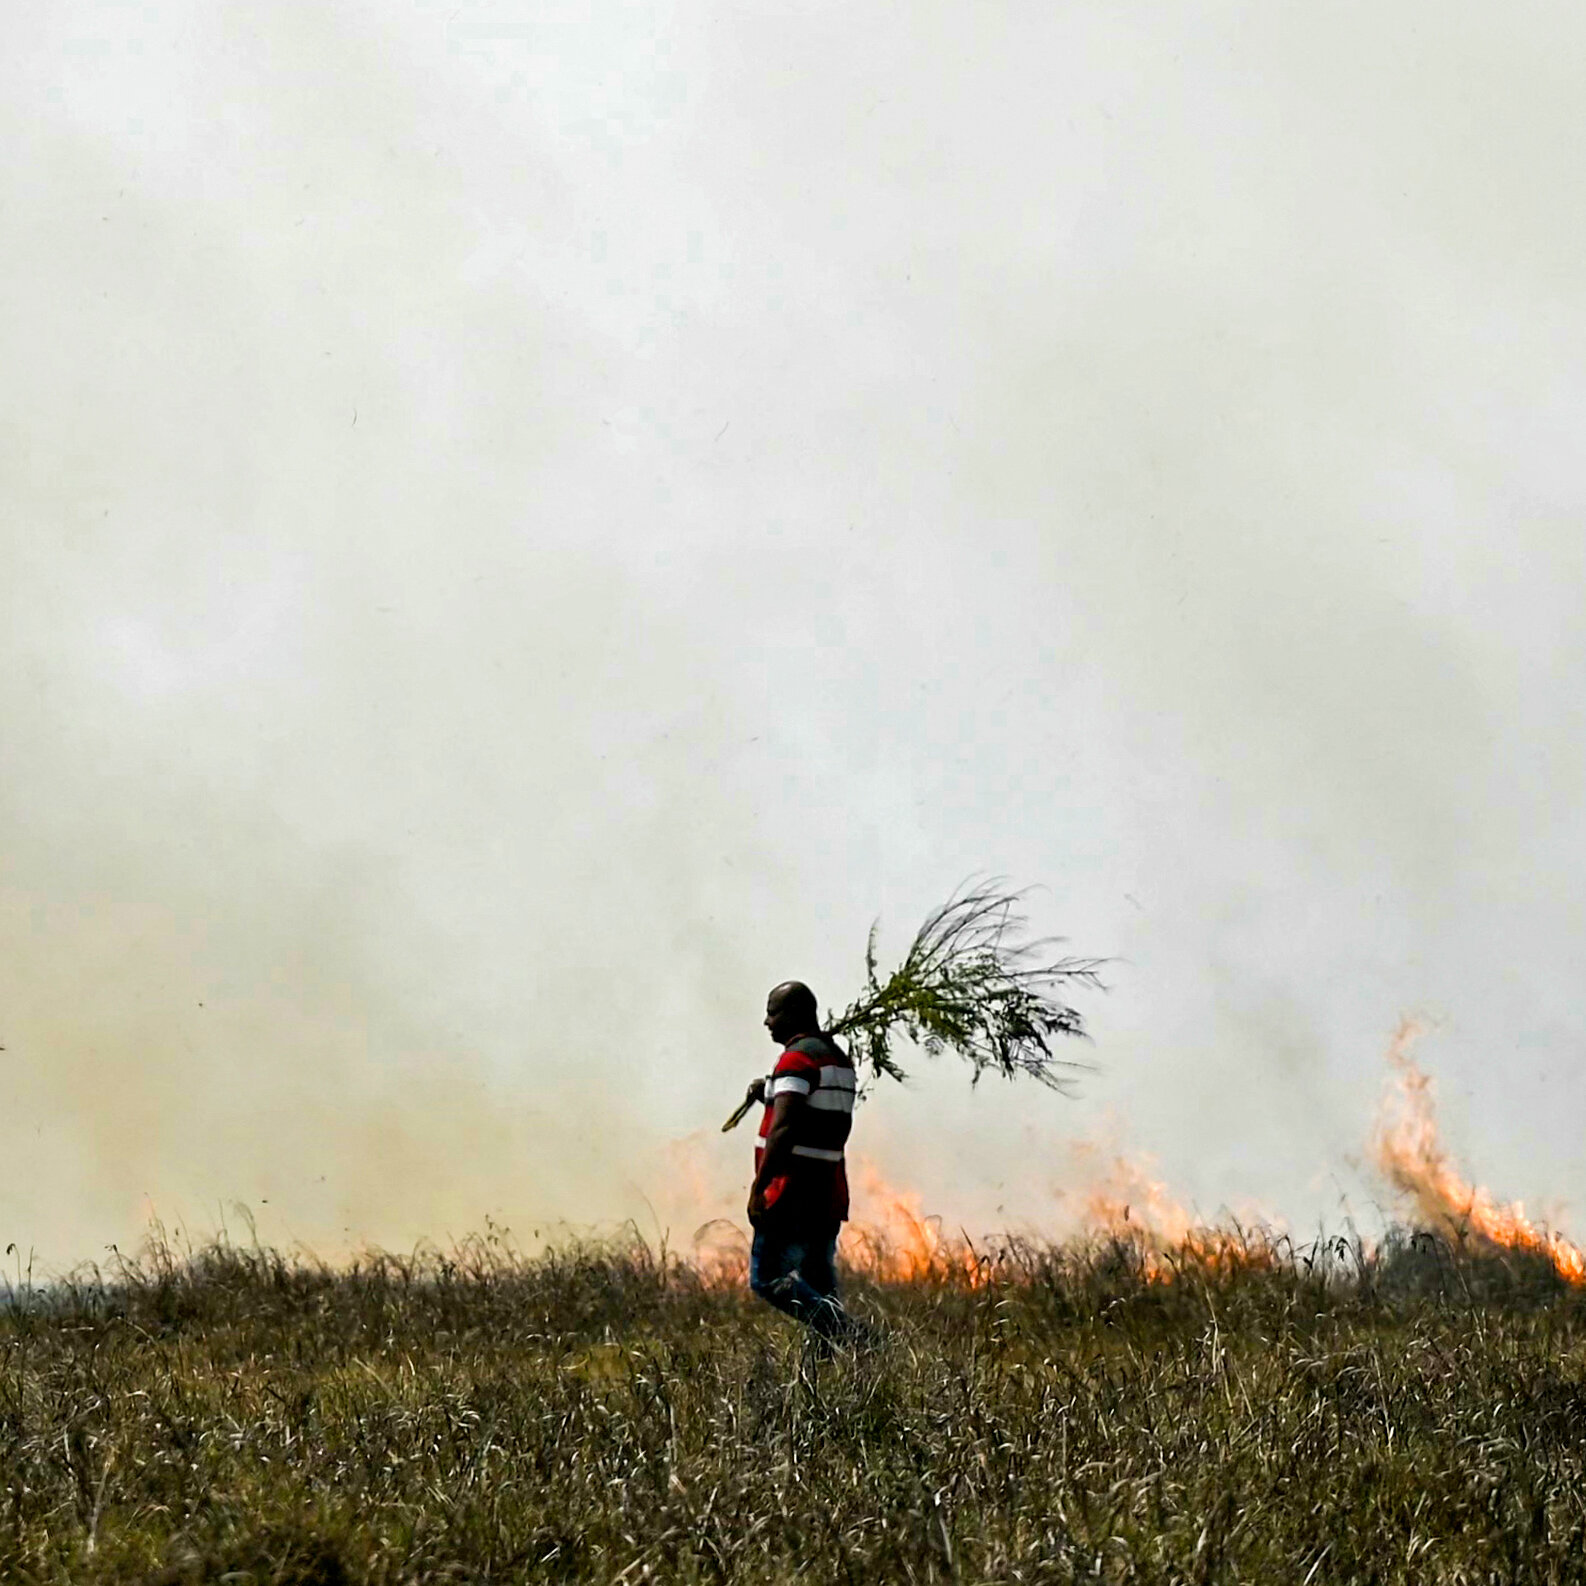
799 1199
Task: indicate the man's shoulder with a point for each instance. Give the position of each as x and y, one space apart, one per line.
810 1054
794 1060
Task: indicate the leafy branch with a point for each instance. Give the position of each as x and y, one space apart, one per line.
969 985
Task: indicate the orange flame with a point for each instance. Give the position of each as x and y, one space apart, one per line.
1412 1158
720 1255
1128 1204
898 1243
894 1241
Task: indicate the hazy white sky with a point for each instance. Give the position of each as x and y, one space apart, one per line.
524 525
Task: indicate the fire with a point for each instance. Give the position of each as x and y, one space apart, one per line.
1411 1156
893 1240
1130 1205
720 1255
898 1243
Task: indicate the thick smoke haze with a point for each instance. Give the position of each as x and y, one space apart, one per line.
525 525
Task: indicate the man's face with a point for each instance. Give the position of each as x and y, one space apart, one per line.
776 1020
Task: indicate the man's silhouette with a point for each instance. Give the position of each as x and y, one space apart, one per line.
799 1198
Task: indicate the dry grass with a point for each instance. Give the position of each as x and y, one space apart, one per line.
598 1414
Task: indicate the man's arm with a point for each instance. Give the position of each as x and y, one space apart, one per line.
778 1149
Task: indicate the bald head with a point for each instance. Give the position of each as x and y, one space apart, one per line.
790 1011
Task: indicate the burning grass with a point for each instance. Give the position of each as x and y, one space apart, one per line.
1410 1153
1154 1400
605 1412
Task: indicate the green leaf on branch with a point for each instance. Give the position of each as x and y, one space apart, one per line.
969 985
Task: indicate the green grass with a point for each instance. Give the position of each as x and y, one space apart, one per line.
597 1414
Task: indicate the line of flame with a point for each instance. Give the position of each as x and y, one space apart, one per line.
895 1241
1410 1153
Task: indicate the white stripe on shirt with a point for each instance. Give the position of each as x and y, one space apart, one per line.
832 1100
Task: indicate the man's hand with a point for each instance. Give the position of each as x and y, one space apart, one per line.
756 1092
756 1204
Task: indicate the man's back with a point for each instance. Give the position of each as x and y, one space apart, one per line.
815 1184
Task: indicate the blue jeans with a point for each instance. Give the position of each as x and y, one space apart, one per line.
794 1267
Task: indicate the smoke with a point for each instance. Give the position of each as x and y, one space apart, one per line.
526 526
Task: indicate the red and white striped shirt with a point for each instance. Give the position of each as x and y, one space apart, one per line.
816 1182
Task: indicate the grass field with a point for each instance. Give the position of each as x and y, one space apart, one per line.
600 1413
